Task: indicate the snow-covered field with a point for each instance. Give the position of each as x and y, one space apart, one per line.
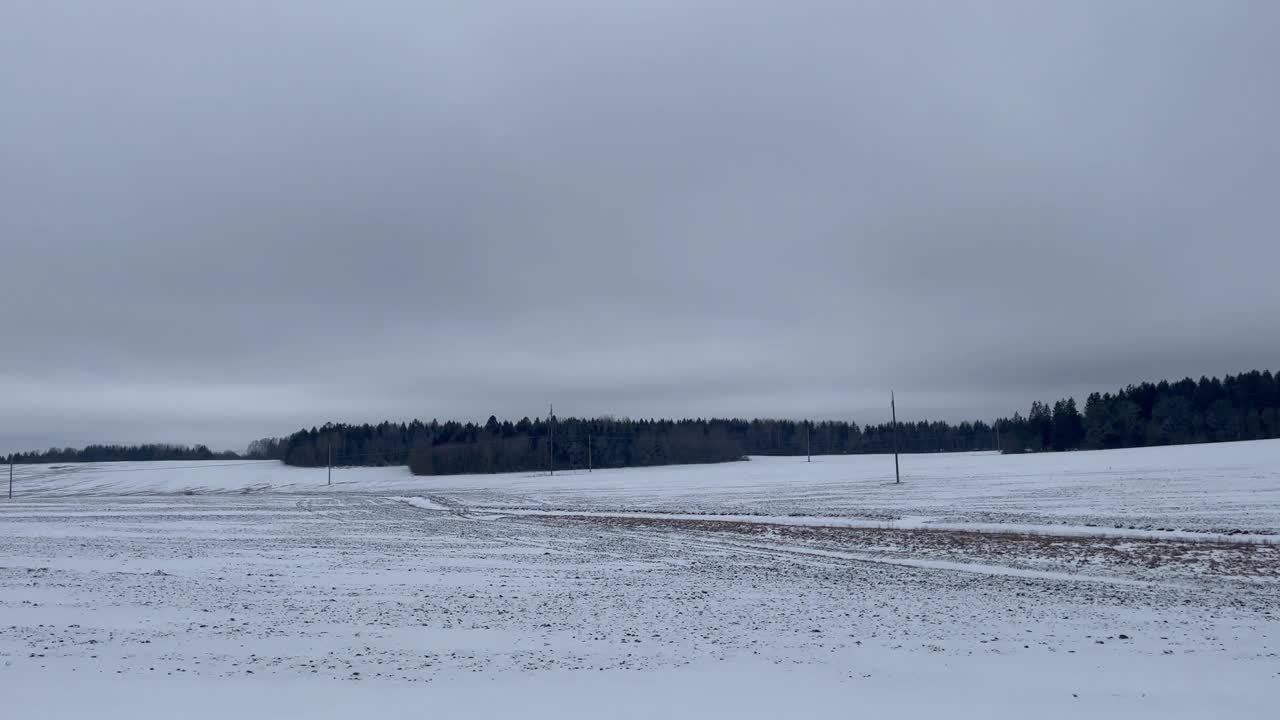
1226 487
1135 583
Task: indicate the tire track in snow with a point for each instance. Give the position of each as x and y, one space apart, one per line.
794 552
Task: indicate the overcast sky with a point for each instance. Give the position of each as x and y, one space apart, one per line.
226 220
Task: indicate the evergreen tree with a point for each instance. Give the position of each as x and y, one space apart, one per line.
1240 407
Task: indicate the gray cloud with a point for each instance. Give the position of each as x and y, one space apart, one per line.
226 220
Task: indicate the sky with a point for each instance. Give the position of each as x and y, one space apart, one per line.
230 220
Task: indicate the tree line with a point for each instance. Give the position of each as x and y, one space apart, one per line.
122 453
436 448
1236 407
1240 407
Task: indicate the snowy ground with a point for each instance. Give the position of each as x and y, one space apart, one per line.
984 586
1226 487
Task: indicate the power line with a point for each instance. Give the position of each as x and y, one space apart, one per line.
893 406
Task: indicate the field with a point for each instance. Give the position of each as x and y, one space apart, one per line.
1133 583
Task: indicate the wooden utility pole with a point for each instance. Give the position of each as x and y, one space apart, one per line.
588 453
808 449
10 477
996 425
551 446
328 449
893 407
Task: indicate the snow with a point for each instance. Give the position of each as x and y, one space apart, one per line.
905 523
421 503
983 586
1215 488
928 687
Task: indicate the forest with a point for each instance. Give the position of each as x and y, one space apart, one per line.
1235 407
122 453
1239 407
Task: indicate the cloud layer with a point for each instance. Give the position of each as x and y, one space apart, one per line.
226 220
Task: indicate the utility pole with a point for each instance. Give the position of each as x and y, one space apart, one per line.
11 477
551 446
808 449
328 449
996 425
588 453
893 407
